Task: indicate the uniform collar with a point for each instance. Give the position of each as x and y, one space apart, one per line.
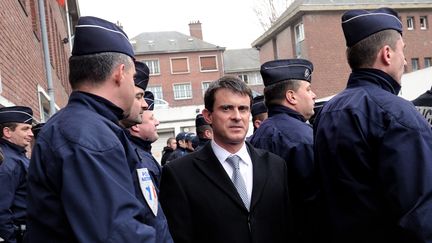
99 104
280 109
374 76
143 144
15 147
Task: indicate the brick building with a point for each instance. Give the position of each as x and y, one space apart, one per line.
181 66
23 79
245 64
311 29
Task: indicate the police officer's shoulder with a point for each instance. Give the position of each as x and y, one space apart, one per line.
89 130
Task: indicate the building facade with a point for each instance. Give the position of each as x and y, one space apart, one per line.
245 64
311 29
23 78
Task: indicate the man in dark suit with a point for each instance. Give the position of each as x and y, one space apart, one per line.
228 191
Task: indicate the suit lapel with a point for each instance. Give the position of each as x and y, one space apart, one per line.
207 162
260 174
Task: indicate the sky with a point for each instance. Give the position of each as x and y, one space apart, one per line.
228 23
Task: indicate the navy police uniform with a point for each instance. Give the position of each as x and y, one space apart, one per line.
145 160
423 104
179 151
80 182
13 178
200 121
287 134
374 152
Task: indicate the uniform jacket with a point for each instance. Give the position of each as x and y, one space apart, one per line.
13 173
178 153
287 134
374 152
166 153
423 104
146 160
202 204
80 184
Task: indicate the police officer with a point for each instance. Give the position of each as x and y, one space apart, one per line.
290 102
16 136
204 131
423 104
182 147
147 171
258 111
80 182
373 148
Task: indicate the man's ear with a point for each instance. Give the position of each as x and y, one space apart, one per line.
257 123
135 128
7 132
207 116
385 54
118 73
290 97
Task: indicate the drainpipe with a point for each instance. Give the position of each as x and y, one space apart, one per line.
46 56
68 26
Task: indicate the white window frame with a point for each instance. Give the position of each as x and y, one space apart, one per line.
212 70
299 32
187 61
423 22
428 62
416 62
186 97
410 22
204 86
153 65
157 91
44 104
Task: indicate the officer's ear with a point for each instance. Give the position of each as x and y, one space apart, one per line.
291 97
134 128
7 132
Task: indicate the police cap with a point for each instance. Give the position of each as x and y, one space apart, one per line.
94 35
359 24
18 114
286 69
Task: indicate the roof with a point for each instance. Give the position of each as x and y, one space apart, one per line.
241 60
168 42
299 7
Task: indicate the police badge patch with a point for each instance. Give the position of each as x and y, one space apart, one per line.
148 189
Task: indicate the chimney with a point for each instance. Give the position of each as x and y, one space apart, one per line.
195 29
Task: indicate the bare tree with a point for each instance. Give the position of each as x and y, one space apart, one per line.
268 11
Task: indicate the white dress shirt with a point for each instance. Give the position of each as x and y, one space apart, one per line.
246 167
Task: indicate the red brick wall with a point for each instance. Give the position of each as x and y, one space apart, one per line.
21 55
324 46
195 76
418 42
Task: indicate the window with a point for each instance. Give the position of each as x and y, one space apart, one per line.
34 11
415 64
153 66
44 104
157 92
204 86
427 62
182 91
299 33
244 77
179 65
208 63
251 78
423 22
410 23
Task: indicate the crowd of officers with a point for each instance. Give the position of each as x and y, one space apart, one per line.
360 173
